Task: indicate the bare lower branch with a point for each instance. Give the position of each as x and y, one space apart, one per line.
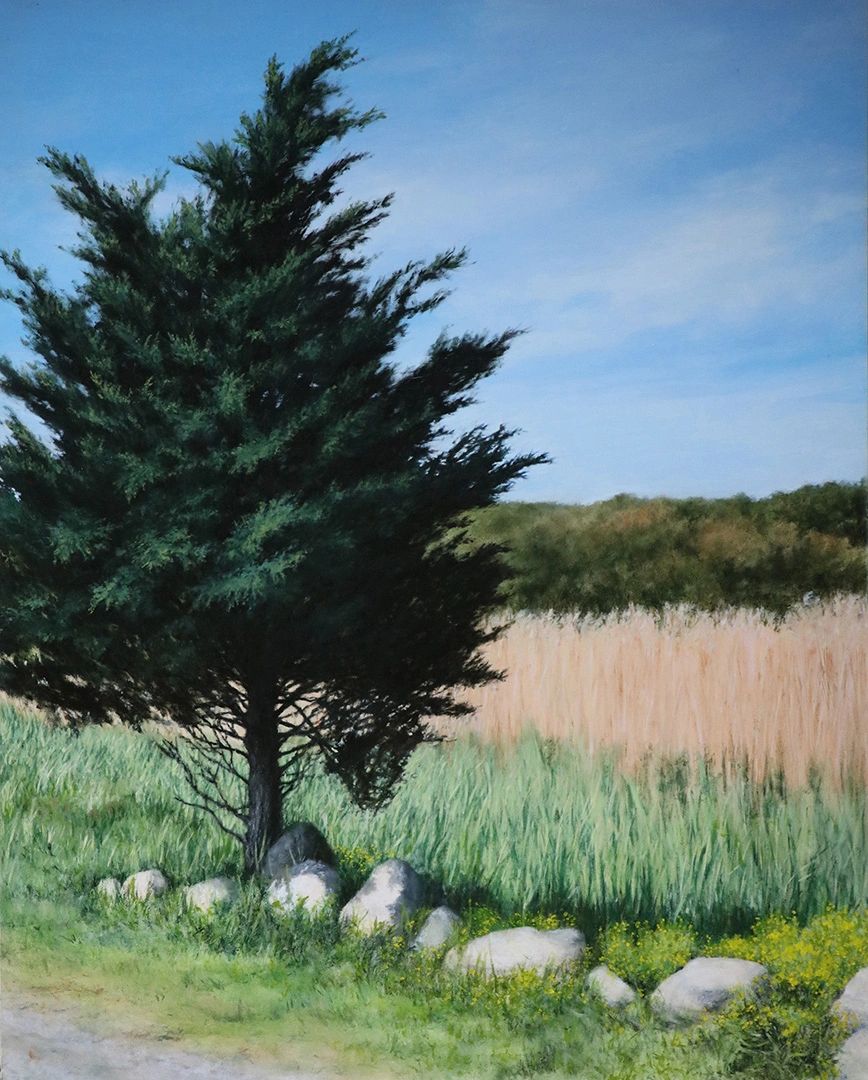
213 802
220 757
209 810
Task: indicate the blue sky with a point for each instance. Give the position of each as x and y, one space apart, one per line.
668 196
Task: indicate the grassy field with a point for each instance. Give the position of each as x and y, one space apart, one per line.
533 832
734 687
294 992
536 827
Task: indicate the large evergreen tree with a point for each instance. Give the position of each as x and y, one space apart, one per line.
246 518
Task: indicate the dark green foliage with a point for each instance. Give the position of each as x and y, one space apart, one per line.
709 552
247 518
839 510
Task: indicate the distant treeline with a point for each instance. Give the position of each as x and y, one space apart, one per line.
765 552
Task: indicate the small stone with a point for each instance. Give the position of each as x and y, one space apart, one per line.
853 1057
437 929
300 843
852 1005
704 985
310 883
393 892
205 895
145 884
611 989
522 947
109 888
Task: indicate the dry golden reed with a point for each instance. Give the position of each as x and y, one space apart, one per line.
730 686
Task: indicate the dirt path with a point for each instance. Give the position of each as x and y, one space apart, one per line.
38 1045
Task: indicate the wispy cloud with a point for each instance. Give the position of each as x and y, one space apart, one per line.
740 247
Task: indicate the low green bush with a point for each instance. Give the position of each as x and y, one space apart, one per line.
809 963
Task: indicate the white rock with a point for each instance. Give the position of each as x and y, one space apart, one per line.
522 947
204 895
611 989
309 883
853 1058
109 888
852 1005
392 893
704 985
300 843
437 929
145 884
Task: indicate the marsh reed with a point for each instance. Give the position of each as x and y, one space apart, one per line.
732 687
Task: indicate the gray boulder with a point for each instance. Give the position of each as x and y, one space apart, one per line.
609 988
109 888
393 892
145 885
300 843
853 1058
205 895
309 883
504 951
852 1005
437 929
704 985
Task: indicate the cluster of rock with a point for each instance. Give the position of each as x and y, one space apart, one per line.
301 871
147 884
302 874
703 985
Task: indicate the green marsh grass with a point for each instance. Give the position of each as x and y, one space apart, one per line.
534 827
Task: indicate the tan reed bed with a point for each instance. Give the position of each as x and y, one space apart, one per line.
730 686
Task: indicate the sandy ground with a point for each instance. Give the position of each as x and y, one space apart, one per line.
38 1045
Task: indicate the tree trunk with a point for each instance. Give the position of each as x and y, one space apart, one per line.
264 795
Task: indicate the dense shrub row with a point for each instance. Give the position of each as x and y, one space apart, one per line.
709 552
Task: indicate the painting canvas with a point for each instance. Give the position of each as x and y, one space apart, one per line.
432 540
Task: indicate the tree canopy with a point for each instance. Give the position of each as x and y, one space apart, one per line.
243 514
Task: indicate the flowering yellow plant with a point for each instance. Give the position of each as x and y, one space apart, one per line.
807 963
